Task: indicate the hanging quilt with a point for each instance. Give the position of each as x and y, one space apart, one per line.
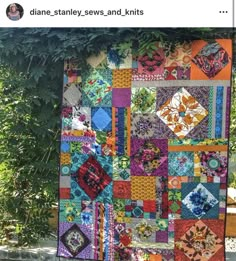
144 153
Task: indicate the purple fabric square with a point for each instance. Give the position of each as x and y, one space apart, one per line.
121 97
162 236
63 251
149 157
183 73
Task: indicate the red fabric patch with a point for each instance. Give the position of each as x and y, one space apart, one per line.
64 193
126 237
210 179
222 186
128 208
149 206
121 189
164 205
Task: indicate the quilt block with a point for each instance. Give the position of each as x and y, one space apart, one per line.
144 153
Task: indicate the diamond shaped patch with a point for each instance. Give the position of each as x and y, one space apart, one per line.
92 178
211 59
182 113
200 242
75 240
200 201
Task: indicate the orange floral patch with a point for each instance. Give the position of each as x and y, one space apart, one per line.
182 113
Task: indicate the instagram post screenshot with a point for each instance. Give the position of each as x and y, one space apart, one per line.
117 130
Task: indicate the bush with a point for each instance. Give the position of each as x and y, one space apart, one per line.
29 148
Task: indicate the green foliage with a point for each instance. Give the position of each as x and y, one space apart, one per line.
232 162
31 81
233 117
232 180
28 151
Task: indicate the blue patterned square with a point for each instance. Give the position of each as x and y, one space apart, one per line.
200 200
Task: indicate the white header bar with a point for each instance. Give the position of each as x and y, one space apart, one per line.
123 13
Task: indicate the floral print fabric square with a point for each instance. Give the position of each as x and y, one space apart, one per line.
201 201
144 153
143 100
182 113
199 240
180 163
148 157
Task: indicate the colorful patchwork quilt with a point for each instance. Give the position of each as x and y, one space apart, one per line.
144 153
